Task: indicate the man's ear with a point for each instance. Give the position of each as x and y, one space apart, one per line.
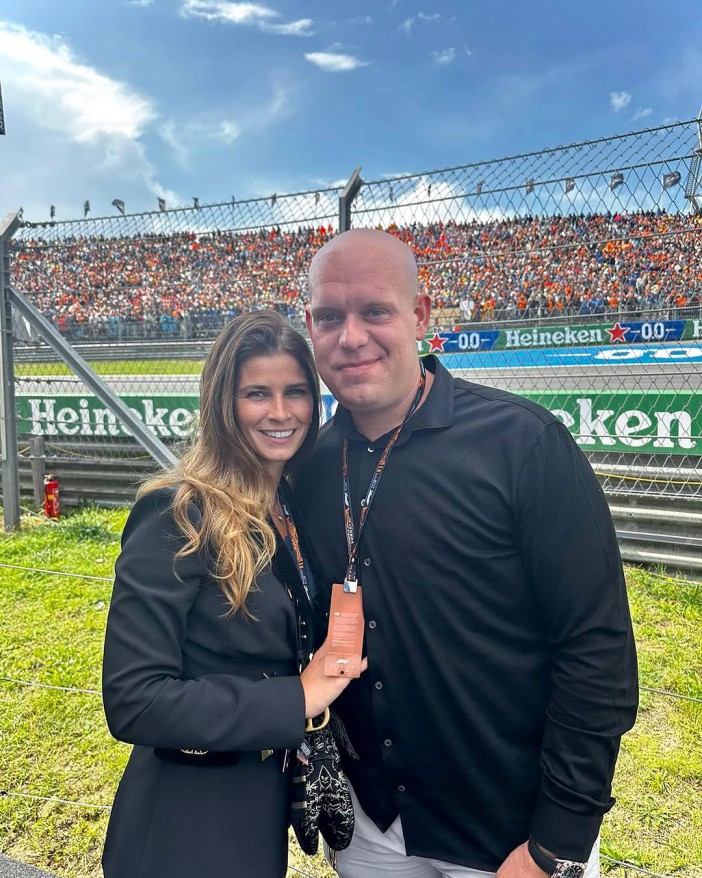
422 311
308 320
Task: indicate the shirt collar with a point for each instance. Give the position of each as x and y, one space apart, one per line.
436 411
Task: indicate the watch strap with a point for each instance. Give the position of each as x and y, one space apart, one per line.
553 866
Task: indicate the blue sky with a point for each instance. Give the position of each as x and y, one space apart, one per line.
138 99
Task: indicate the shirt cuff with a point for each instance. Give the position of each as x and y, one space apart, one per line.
568 834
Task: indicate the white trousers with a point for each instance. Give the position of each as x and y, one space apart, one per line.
376 854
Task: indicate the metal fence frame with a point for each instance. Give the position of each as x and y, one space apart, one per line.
362 204
649 169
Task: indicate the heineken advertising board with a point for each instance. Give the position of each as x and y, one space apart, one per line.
658 423
168 415
476 339
668 423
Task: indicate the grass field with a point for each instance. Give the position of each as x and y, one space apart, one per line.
55 743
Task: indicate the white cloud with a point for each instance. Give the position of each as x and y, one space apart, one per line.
641 113
180 137
245 14
228 131
299 28
64 95
143 3
406 26
618 100
334 62
183 137
446 56
73 132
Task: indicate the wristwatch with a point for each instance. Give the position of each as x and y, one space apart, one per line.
554 866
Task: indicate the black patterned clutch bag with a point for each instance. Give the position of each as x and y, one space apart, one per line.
321 801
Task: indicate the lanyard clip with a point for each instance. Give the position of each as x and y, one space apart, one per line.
350 585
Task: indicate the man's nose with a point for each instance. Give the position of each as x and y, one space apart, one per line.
353 334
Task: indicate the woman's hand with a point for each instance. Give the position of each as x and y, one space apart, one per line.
319 689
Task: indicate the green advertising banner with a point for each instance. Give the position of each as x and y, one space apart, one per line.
168 415
667 423
657 423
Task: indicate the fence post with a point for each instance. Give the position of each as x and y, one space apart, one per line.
347 198
38 458
8 414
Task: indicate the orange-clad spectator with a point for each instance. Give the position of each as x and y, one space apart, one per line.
530 267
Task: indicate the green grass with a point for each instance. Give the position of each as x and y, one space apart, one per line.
56 743
657 822
115 367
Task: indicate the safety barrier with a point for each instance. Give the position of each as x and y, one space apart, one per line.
528 237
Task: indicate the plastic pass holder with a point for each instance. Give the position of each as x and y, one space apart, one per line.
345 634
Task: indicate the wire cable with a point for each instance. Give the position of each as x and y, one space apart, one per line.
47 686
671 694
56 572
4 792
627 865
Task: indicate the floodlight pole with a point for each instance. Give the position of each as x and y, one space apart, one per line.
347 198
8 413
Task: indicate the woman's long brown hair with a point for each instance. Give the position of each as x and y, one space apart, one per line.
222 488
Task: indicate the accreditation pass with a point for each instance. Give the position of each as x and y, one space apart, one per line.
345 635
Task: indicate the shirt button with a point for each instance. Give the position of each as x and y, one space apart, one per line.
400 788
387 742
378 684
366 562
372 623
371 449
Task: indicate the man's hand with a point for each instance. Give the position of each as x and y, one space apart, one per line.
519 864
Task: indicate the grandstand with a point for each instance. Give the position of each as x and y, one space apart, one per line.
187 285
579 239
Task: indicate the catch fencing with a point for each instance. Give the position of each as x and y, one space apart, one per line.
571 275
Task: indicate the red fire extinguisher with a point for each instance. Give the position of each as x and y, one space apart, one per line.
51 496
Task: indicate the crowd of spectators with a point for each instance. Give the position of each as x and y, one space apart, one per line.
622 265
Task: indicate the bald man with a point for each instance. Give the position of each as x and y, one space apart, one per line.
501 663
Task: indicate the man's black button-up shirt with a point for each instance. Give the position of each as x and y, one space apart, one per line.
501 662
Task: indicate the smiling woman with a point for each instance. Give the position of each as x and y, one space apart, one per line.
207 665
274 408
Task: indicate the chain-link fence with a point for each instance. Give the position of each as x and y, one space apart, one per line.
572 275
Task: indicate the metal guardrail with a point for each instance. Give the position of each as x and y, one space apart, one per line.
662 529
150 349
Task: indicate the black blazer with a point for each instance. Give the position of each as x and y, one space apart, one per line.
180 673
